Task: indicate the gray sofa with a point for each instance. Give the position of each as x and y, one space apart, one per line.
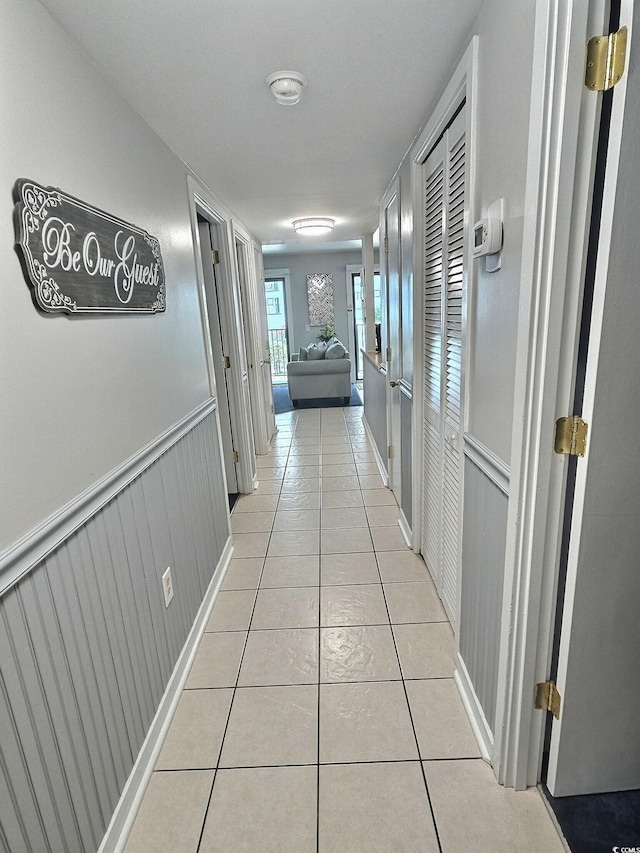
320 372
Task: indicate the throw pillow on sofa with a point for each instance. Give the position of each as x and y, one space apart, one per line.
336 350
315 352
303 354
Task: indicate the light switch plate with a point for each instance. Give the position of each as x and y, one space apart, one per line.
167 586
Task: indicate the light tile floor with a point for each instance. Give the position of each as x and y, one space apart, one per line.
320 713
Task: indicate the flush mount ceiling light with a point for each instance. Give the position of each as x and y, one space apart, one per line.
286 86
313 226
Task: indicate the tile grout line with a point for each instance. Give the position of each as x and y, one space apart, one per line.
235 688
320 460
320 586
406 695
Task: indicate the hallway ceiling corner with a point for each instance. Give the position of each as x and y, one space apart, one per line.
195 71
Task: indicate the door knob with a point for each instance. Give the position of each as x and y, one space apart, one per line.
393 383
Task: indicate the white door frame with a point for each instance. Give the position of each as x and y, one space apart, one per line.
561 155
351 311
204 202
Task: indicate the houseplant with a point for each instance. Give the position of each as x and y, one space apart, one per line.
326 333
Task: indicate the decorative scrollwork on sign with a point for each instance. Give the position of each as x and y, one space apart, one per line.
320 296
37 203
79 259
48 291
159 305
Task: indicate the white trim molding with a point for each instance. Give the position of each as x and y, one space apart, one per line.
376 452
32 548
484 459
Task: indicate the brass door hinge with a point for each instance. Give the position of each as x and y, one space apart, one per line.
236 458
548 698
215 257
390 452
386 245
571 436
606 57
272 409
226 362
388 353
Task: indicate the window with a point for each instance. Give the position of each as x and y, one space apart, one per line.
273 305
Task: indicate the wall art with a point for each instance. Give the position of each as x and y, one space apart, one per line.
81 260
320 296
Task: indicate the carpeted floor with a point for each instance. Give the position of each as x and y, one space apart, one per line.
598 823
282 401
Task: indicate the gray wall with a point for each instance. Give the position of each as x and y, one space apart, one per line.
87 643
82 395
406 462
302 265
375 406
506 41
506 33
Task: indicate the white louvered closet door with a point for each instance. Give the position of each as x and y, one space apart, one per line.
444 175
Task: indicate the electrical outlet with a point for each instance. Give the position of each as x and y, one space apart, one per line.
167 586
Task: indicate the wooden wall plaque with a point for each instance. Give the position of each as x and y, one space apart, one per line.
81 260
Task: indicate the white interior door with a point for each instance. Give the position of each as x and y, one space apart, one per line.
246 282
217 343
264 356
391 222
595 744
444 176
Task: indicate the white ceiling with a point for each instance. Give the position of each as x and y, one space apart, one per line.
195 70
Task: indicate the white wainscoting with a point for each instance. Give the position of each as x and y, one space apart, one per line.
486 500
89 648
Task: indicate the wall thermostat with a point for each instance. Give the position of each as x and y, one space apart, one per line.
487 236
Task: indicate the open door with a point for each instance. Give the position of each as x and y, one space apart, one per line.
252 337
264 354
595 743
391 235
221 362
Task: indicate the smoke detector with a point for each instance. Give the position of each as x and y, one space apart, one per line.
286 86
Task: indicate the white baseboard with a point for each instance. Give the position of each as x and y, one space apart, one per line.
405 529
127 808
477 719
